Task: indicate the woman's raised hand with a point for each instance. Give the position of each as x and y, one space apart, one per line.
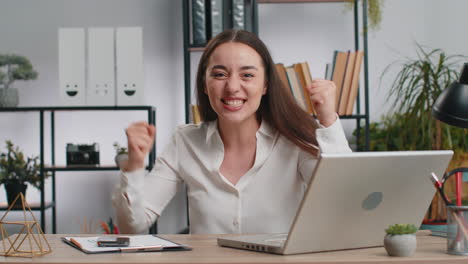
323 96
140 138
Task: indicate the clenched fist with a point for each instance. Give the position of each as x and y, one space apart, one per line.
140 138
322 95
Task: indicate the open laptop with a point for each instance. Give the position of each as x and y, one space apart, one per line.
351 199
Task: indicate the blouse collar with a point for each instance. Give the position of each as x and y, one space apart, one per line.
265 129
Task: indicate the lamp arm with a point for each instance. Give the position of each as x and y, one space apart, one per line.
450 173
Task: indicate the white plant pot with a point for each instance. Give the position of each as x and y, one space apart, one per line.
119 158
400 245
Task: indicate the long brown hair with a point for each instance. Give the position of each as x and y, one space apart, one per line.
277 106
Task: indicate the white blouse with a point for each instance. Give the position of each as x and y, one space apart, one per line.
264 200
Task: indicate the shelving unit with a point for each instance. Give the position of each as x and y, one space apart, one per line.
42 206
358 116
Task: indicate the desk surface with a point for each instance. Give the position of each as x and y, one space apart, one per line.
205 250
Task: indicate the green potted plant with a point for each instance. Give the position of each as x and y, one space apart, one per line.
16 170
410 126
400 240
13 67
121 153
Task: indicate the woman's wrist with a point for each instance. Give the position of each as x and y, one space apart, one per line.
130 166
328 120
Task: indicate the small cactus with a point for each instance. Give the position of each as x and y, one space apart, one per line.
401 229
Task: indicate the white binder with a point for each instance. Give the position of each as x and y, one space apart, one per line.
129 66
72 65
101 78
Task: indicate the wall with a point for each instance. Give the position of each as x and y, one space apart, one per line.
293 32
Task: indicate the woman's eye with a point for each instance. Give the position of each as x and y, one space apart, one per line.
248 75
218 74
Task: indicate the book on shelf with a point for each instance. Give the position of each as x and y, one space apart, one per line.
305 79
346 73
199 31
296 87
354 83
281 70
345 89
339 68
328 72
196 118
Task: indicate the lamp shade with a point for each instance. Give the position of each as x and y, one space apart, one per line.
451 106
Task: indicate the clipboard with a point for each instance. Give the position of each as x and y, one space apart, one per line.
138 243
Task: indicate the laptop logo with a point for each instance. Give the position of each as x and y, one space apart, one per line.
372 201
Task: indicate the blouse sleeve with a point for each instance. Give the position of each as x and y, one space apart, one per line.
331 140
140 198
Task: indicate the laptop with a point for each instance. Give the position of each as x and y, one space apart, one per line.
351 199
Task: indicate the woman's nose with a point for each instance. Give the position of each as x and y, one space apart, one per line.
233 84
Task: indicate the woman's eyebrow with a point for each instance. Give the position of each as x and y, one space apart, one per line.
222 67
249 68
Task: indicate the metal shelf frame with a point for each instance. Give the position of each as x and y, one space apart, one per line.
43 205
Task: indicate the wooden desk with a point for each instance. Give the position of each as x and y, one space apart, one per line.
205 250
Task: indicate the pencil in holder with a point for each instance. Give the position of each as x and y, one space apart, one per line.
457 230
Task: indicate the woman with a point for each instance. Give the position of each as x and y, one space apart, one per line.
251 159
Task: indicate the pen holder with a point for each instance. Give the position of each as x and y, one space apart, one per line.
457 230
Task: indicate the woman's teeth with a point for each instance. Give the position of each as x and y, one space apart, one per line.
234 102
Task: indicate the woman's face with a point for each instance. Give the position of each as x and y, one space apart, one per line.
235 82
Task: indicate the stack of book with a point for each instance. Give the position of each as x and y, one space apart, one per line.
295 78
345 72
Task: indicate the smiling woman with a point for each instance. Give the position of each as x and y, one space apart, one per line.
235 84
256 147
277 105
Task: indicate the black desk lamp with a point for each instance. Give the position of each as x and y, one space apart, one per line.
451 106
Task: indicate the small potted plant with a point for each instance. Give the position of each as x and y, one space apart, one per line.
16 170
12 68
121 153
400 240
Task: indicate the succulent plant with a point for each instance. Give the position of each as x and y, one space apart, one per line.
401 229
